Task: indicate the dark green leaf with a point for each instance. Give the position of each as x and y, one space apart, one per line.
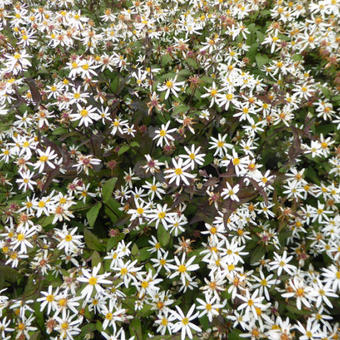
257 254
123 149
92 214
163 235
136 329
108 188
261 60
92 241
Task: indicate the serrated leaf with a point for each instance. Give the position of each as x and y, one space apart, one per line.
294 310
261 60
95 258
88 328
59 131
114 206
114 85
144 254
92 214
163 235
123 149
134 250
257 254
191 62
108 188
135 328
110 214
9 274
92 241
166 59
46 220
113 241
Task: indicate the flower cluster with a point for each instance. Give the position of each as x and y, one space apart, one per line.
169 169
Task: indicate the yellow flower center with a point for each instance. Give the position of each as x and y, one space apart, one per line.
68 238
169 84
84 113
50 298
185 321
145 284
43 158
140 211
92 280
20 237
182 268
64 325
161 215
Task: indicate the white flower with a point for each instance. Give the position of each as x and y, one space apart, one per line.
193 157
182 268
85 115
281 263
178 172
93 281
183 323
230 192
45 157
163 134
220 145
68 240
171 86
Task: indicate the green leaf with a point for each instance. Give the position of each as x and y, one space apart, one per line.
99 326
261 60
95 258
113 241
144 254
251 27
234 335
46 221
181 109
294 310
88 328
59 131
163 235
9 274
297 57
184 73
136 328
192 63
114 205
326 92
123 149
134 250
110 214
92 241
108 188
260 36
92 214
114 86
166 59
257 254
39 317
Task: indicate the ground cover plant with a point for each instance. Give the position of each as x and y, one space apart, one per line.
169 169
